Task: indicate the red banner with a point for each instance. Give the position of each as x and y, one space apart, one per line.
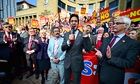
133 14
89 75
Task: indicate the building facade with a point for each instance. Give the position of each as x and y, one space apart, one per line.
43 8
51 8
7 9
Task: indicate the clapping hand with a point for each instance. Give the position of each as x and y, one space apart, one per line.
30 52
56 60
108 52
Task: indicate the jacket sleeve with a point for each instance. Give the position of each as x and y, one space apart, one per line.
62 53
87 44
62 56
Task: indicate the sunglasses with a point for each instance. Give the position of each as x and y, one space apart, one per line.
7 27
131 33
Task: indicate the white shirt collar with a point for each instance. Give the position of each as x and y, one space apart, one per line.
121 35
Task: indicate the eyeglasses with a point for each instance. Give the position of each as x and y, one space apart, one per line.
56 31
31 31
7 27
131 33
74 21
118 23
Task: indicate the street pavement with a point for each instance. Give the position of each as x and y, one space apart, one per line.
30 80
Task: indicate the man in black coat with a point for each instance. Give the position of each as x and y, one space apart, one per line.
11 50
118 54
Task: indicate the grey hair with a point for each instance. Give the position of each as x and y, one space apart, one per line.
126 20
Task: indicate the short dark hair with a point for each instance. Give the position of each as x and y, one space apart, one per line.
89 26
74 15
7 23
52 29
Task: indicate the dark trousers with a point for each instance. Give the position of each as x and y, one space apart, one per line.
75 75
30 59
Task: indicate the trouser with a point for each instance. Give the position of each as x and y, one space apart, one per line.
31 62
59 71
75 75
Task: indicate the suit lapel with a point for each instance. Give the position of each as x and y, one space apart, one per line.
78 37
59 41
120 43
53 43
106 42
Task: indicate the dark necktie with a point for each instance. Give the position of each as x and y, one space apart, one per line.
9 38
30 44
113 41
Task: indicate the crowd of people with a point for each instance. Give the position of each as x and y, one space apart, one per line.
36 51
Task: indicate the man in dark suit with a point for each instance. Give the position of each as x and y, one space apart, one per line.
88 30
116 53
5 59
74 42
30 46
11 50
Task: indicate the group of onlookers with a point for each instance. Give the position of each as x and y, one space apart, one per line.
37 51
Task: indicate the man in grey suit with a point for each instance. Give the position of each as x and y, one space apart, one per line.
118 54
74 42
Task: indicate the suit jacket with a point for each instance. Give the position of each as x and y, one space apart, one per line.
4 48
60 53
14 54
74 57
123 55
93 41
24 35
42 50
7 51
33 47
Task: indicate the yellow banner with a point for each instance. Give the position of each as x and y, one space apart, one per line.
105 14
34 23
11 20
83 10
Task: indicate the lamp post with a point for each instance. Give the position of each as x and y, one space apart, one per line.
1 9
